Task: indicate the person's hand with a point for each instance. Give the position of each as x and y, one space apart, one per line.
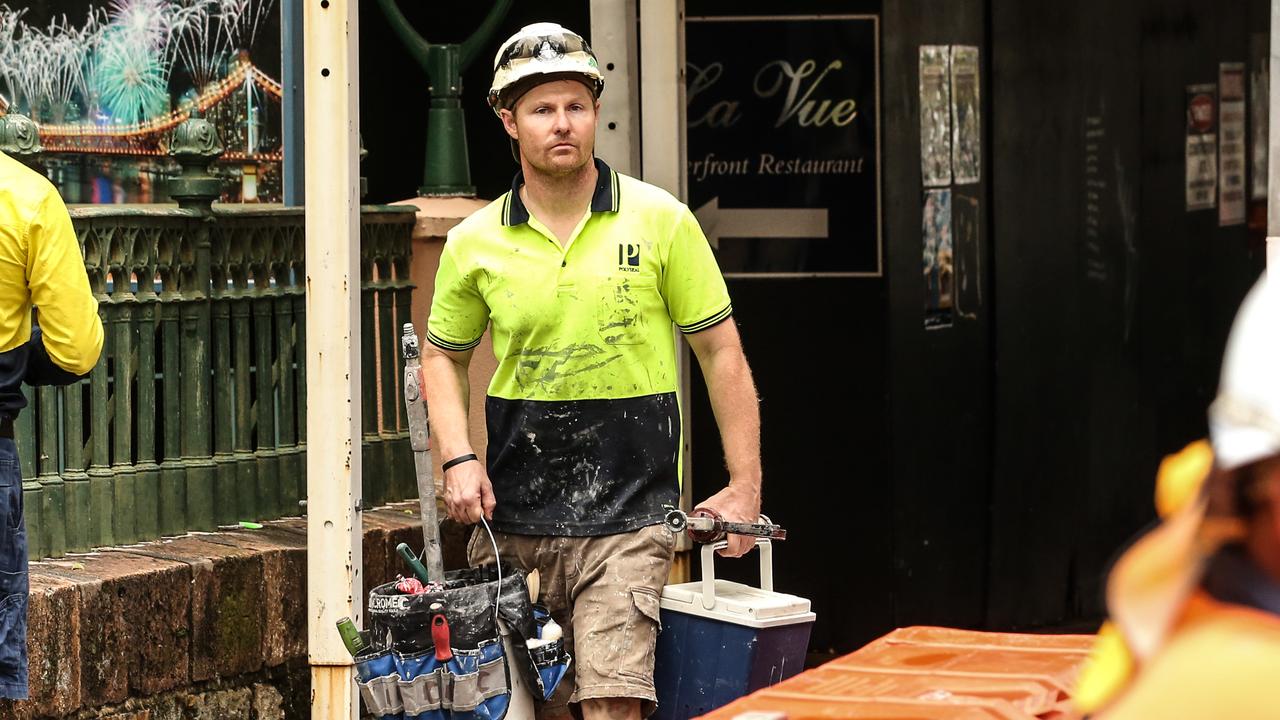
735 504
468 494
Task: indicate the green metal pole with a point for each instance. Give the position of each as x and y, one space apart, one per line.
146 498
292 473
173 484
300 360
101 502
124 480
268 460
53 495
242 363
447 170
32 491
196 390
225 497
76 480
374 476
388 351
195 145
404 303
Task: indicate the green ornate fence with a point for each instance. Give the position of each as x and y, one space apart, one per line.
195 415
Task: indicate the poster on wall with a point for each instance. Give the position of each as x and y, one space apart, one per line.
106 81
968 253
1259 106
939 263
966 146
783 142
1202 146
935 115
1231 144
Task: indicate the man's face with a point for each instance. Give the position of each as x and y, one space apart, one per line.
555 124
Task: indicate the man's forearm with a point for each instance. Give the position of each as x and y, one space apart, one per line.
448 393
733 400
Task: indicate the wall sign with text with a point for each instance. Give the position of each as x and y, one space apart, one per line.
783 142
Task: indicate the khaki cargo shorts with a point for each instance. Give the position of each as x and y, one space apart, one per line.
604 592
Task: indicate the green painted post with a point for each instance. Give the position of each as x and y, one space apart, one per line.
196 427
291 473
146 498
101 500
225 498
32 491
447 171
265 454
300 359
374 489
388 351
124 480
195 145
242 363
52 495
75 480
173 481
404 303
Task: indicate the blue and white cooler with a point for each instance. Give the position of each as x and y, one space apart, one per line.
721 640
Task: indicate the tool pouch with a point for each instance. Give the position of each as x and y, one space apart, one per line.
401 677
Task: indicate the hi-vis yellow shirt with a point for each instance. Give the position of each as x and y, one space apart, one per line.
41 265
584 426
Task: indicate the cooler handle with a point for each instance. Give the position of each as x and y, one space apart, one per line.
708 568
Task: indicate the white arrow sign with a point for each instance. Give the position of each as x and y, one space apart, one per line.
760 223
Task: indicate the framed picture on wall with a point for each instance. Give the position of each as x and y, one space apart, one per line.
107 81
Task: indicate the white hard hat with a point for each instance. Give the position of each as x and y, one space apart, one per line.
1244 420
542 49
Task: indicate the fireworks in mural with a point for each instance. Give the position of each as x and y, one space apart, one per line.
116 80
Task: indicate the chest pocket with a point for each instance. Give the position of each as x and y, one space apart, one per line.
620 309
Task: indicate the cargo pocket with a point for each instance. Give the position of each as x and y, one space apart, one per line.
382 696
641 635
620 310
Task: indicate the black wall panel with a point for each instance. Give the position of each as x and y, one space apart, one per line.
1106 347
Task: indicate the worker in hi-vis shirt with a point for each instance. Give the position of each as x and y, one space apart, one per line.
41 266
583 275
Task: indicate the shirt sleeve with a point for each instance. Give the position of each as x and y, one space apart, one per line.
459 314
692 285
71 331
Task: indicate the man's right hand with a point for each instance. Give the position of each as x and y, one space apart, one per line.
468 494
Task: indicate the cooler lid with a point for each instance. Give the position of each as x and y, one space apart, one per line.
738 604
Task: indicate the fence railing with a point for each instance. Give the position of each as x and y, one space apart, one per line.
194 417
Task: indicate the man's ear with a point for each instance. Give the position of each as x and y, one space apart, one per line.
509 123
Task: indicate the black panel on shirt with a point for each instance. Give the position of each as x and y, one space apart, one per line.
582 467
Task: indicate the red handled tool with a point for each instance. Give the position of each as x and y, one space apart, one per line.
440 634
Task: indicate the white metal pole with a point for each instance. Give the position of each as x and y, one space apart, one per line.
332 126
1273 142
663 152
662 148
615 40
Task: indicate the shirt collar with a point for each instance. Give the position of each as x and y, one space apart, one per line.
604 199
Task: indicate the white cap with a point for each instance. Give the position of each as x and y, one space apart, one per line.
1244 420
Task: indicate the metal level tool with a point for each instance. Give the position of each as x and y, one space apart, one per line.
707 526
415 409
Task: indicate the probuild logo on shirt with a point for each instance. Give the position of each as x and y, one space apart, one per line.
629 257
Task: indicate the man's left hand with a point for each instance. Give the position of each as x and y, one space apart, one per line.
737 504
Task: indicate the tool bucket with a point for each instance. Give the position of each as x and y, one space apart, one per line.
487 670
721 640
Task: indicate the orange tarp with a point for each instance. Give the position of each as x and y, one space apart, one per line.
919 673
